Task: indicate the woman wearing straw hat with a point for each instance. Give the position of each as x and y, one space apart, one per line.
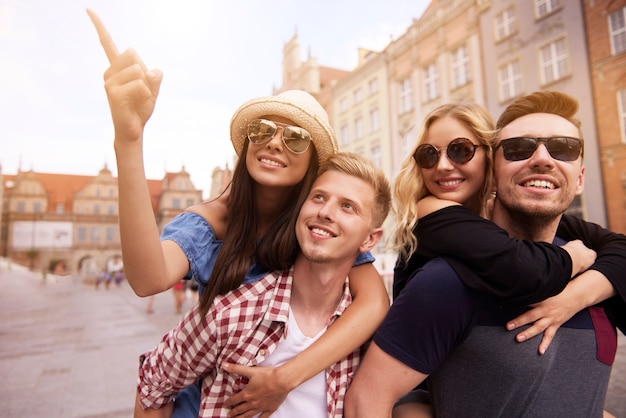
246 231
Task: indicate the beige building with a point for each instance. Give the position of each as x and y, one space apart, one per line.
66 223
541 45
487 51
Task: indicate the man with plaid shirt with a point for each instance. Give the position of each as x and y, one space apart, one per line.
272 320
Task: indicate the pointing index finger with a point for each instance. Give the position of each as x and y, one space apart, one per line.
105 39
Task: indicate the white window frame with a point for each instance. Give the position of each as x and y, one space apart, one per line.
546 7
374 120
510 80
376 155
556 66
459 66
373 86
505 23
358 95
431 82
405 96
621 108
618 34
407 141
344 135
343 104
358 128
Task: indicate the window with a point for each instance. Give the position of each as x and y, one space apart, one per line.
111 210
545 7
81 234
37 207
344 135
374 120
553 61
505 23
460 67
407 141
95 234
406 103
431 83
343 104
176 203
510 80
96 209
190 202
373 86
621 108
110 231
358 96
617 31
358 128
21 206
60 208
377 155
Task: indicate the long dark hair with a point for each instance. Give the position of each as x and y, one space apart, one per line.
278 247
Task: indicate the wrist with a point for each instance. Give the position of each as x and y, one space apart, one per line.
288 377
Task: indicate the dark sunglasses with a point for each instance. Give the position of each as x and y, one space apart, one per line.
459 151
562 148
295 138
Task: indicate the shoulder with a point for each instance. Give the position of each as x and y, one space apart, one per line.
430 204
215 212
436 282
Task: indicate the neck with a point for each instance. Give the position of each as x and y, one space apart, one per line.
531 227
317 290
270 203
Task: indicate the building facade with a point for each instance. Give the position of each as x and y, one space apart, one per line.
64 223
605 23
491 52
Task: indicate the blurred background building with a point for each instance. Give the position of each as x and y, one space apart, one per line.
487 51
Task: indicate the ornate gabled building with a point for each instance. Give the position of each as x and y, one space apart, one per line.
55 222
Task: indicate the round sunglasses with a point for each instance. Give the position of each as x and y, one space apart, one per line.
459 151
295 138
562 148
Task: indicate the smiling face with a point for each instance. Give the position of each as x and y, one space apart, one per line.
450 181
273 164
540 186
335 222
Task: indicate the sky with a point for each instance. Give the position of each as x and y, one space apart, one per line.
215 55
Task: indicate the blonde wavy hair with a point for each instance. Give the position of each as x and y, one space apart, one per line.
409 188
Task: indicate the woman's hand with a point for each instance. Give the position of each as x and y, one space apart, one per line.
263 394
131 88
546 316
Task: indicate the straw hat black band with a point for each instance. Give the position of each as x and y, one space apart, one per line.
296 105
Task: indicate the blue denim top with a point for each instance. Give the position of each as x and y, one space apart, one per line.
195 237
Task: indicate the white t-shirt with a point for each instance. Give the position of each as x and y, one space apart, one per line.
308 399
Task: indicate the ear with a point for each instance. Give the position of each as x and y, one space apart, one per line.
580 186
371 240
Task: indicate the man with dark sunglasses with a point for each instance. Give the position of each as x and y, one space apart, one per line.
455 336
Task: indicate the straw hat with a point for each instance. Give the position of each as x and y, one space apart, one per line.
295 105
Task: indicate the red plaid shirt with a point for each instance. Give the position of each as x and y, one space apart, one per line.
243 327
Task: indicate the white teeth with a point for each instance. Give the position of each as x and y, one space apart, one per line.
321 232
271 162
450 182
542 184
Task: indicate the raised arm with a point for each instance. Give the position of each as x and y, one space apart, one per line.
268 387
150 266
